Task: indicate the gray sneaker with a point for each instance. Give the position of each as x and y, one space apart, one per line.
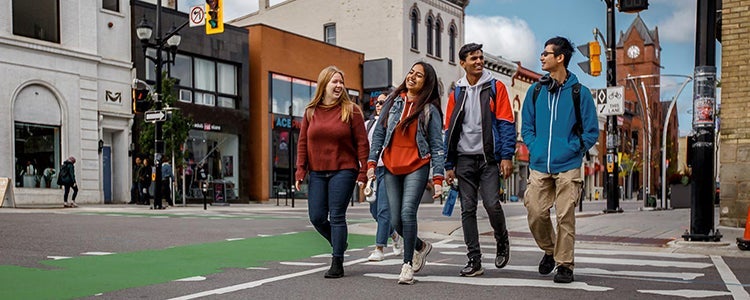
420 256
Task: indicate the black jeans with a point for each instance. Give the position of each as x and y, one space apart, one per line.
475 175
67 190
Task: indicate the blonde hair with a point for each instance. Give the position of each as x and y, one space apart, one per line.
347 106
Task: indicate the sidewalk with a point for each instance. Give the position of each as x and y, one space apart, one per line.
659 230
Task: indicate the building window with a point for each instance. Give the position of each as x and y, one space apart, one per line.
452 44
200 81
286 91
113 5
329 33
39 19
414 17
430 25
438 42
37 155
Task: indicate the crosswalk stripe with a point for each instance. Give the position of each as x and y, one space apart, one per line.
514 282
626 262
733 285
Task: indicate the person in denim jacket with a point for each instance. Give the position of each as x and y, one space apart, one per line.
409 138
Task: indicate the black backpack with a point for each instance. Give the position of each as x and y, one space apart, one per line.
578 127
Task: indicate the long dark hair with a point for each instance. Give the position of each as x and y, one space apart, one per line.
428 95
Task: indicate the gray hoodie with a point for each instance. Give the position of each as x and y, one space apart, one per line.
470 140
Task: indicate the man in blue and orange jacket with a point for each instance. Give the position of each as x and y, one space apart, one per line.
480 139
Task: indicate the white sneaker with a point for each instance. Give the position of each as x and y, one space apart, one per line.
376 255
398 244
421 256
407 274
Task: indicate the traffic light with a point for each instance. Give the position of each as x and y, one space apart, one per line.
214 16
592 51
633 6
140 100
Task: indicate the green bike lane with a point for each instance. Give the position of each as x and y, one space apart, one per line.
82 276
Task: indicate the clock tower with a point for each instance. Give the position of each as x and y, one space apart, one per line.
638 55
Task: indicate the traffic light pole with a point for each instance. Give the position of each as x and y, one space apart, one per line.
704 106
613 195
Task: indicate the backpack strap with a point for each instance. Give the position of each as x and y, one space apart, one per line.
537 90
578 127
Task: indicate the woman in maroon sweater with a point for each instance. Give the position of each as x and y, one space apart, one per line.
333 147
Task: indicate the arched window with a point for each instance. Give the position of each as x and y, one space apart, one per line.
430 25
438 42
452 44
414 17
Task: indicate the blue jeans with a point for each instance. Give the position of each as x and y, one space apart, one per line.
328 197
404 194
379 210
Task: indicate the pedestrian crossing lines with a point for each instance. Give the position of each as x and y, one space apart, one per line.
665 274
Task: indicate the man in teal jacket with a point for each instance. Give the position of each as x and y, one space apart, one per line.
557 143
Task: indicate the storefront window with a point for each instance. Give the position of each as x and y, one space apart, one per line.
281 94
215 156
284 154
37 160
286 90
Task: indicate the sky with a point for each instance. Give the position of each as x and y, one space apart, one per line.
517 30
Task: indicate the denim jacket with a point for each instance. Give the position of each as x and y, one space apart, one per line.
431 146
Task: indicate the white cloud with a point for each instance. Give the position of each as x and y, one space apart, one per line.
679 26
501 36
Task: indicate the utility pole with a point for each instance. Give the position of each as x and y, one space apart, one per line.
613 188
704 107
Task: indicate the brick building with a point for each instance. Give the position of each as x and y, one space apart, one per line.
735 137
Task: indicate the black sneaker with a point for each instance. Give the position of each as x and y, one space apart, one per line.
473 268
547 264
564 275
503 255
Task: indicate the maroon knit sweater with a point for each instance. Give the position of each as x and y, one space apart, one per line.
327 144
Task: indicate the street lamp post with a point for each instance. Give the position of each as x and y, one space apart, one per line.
172 40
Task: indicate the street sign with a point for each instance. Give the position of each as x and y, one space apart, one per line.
197 16
610 101
154 116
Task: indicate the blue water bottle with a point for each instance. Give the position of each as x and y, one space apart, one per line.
450 201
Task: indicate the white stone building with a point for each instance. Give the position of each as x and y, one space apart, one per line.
404 31
65 91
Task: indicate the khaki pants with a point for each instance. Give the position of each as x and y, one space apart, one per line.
562 190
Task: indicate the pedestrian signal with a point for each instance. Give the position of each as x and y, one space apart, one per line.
592 51
215 16
140 102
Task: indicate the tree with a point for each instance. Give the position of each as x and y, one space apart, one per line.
175 129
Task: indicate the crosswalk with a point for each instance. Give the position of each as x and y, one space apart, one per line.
630 273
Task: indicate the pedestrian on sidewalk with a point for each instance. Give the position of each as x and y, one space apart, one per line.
333 147
481 141
166 183
67 179
409 137
144 181
379 207
135 194
557 142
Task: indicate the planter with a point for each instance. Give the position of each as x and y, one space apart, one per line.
680 195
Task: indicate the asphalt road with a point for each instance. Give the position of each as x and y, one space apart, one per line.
274 253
